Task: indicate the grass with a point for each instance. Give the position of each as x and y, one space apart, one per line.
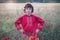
51 29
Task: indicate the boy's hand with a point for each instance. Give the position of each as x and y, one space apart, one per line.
21 30
37 30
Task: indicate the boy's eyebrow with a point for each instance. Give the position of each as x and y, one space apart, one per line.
28 7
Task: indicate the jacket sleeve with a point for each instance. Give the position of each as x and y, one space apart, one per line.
40 23
17 23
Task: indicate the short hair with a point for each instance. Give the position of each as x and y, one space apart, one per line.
29 6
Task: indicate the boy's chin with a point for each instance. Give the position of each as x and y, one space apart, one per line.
28 14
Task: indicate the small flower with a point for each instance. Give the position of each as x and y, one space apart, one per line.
46 10
7 17
4 38
49 24
31 37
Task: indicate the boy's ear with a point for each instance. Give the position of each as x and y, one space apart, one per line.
24 10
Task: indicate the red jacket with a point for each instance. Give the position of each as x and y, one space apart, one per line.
29 23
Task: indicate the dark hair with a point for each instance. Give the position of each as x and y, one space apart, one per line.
29 6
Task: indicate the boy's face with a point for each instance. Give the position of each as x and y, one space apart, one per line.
28 11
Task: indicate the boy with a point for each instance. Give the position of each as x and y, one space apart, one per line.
29 23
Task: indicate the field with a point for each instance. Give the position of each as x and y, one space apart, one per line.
50 12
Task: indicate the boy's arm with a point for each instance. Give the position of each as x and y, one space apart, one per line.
40 23
17 23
